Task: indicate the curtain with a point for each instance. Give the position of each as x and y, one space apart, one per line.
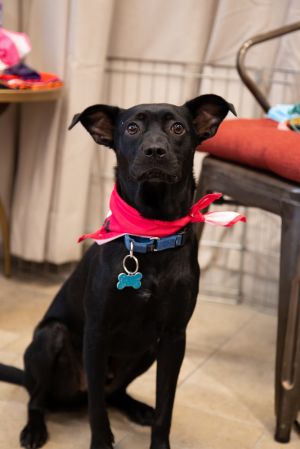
8 122
50 191
62 182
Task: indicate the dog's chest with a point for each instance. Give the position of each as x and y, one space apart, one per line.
138 317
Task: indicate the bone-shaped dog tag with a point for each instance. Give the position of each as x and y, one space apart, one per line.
130 278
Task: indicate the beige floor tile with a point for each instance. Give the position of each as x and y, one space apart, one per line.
245 365
211 326
138 438
12 418
20 344
24 313
13 393
7 337
143 388
204 393
10 392
66 430
8 357
267 442
28 283
195 429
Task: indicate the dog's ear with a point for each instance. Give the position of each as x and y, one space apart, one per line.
99 120
208 111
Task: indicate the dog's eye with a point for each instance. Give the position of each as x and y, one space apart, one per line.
177 128
132 128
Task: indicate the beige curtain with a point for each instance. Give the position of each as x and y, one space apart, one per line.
7 122
50 191
54 200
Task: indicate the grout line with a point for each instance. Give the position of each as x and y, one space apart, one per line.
259 439
116 444
245 323
246 422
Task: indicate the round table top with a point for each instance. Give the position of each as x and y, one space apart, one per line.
22 96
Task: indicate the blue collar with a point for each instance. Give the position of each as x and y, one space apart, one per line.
148 245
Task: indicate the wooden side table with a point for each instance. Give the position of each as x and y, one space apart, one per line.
8 96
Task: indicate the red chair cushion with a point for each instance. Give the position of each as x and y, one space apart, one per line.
258 143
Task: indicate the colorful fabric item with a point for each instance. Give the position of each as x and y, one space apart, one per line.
23 71
257 143
46 81
13 47
294 124
123 219
295 109
283 112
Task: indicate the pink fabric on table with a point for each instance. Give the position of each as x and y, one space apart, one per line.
13 47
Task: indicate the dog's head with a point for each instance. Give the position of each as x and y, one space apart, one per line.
155 142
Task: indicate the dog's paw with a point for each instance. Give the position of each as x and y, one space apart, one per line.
33 435
136 411
141 413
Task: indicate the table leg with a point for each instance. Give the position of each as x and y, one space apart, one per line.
5 238
4 224
3 106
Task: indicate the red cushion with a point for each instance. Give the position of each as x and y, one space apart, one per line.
258 143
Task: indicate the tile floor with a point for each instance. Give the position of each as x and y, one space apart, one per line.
225 393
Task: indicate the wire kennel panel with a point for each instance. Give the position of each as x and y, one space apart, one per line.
238 264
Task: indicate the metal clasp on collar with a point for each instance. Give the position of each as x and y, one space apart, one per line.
154 244
134 259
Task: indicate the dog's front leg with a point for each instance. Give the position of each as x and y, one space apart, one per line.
95 358
170 355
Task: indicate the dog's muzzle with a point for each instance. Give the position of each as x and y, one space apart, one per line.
155 163
156 175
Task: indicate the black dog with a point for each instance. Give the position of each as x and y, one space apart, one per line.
107 336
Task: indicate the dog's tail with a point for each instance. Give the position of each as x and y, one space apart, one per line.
12 375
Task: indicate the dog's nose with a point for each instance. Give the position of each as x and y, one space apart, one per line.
155 152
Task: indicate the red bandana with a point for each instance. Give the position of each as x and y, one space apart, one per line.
123 219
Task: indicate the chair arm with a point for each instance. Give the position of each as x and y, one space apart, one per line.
240 60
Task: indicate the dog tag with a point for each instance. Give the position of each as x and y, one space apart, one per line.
130 278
